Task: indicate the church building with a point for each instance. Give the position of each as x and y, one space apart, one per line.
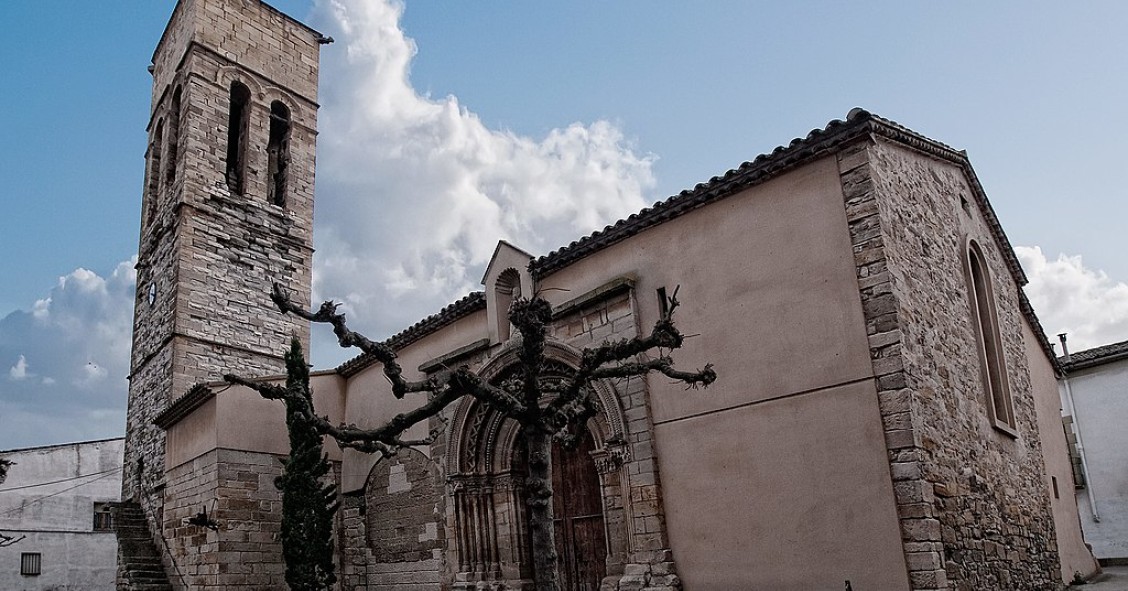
886 414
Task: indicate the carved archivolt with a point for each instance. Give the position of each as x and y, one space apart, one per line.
477 432
485 477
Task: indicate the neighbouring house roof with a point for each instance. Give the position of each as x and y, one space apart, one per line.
54 445
1094 357
819 143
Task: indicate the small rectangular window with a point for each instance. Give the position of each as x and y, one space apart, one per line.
1053 480
30 564
663 303
103 519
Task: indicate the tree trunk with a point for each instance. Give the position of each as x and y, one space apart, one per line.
539 488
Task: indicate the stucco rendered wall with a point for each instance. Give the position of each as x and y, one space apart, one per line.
368 400
1100 398
1075 557
776 476
982 499
49 497
767 285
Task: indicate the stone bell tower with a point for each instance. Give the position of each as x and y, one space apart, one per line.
227 209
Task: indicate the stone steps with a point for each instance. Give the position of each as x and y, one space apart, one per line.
138 557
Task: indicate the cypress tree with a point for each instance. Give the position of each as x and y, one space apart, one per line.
308 503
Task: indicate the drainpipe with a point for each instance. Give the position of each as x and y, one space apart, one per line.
1077 433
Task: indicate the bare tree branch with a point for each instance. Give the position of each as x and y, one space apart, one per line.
518 397
6 541
664 365
267 390
327 314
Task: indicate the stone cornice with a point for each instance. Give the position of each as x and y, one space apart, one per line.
194 398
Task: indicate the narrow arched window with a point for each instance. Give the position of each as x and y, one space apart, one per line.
173 139
507 289
985 316
154 184
278 153
238 127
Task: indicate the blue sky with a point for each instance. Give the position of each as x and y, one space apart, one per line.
660 94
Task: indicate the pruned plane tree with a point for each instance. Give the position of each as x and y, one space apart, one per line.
547 408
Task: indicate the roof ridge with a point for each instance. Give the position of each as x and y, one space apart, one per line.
67 444
751 172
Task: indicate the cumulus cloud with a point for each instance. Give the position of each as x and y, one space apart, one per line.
77 339
1072 298
19 370
414 192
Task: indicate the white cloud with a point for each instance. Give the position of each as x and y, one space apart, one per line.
19 370
1072 298
414 193
80 336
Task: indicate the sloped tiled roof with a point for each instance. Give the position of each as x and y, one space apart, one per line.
859 125
1094 357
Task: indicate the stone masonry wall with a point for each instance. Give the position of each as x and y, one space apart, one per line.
395 531
209 257
190 488
973 506
249 32
237 488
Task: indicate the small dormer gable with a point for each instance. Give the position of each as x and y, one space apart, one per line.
507 278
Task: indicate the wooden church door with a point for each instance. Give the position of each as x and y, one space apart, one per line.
577 508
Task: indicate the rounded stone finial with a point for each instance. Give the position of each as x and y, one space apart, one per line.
855 113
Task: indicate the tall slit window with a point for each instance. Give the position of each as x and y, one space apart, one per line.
238 127
992 365
173 138
154 171
278 153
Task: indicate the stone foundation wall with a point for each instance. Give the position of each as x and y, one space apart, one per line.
191 487
237 488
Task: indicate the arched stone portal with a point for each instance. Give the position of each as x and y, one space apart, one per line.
487 529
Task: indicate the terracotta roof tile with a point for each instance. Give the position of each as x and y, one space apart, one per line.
818 143
1095 356
469 304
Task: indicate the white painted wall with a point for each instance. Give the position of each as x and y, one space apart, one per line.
1100 397
49 497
